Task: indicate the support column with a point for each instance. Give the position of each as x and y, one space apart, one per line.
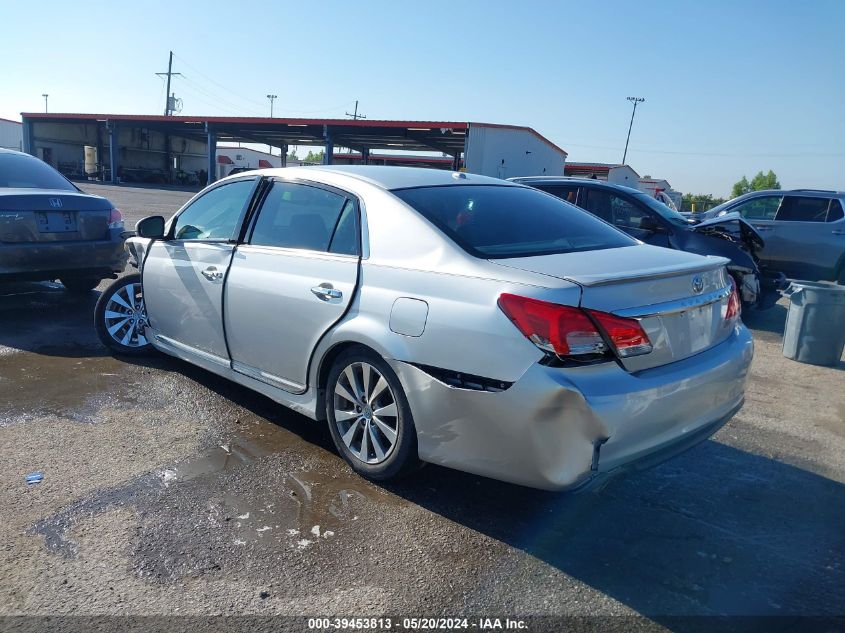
327 155
365 156
212 153
113 150
456 162
284 154
28 142
167 158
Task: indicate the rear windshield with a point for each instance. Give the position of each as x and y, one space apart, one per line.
30 173
491 221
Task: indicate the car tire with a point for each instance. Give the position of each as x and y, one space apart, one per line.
80 284
387 439
123 334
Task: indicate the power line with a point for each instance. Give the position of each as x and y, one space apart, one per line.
235 94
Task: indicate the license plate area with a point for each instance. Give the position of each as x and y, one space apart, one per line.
56 221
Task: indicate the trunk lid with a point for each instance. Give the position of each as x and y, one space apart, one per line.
52 216
679 298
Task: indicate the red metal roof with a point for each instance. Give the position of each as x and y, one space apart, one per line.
224 160
10 121
455 125
264 163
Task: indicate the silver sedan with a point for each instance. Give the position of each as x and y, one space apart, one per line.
429 316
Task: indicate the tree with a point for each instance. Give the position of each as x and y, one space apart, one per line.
292 155
314 157
758 183
741 187
764 181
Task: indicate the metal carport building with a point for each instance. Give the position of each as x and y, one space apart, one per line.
115 143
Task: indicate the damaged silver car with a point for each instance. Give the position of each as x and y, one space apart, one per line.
427 316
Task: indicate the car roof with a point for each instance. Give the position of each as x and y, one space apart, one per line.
390 177
568 180
812 193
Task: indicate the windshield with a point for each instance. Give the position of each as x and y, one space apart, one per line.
492 221
28 172
661 209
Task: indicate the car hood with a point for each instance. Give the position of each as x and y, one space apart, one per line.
732 224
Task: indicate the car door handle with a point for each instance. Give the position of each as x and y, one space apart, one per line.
763 228
326 292
837 232
212 274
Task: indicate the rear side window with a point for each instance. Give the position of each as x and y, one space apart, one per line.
798 209
762 208
304 217
492 221
28 172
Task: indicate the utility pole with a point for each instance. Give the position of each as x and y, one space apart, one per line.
272 98
45 95
635 100
355 116
167 109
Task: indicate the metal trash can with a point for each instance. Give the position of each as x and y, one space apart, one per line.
815 323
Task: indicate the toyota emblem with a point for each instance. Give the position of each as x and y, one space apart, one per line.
697 284
56 203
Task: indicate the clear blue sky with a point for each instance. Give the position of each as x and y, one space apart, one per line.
731 87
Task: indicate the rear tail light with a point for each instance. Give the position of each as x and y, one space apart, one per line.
568 331
626 335
734 308
115 219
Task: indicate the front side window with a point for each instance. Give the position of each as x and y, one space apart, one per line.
835 213
494 221
615 209
564 192
762 208
215 215
304 217
798 209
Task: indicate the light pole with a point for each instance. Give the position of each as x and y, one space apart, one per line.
272 98
635 100
45 95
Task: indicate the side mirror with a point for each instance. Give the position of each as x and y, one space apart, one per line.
151 227
649 224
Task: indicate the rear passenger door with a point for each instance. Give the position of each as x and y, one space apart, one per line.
801 242
291 281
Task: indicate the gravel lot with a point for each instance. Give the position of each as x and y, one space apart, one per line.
167 489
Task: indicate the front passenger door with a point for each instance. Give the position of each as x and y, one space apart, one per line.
626 215
183 274
293 279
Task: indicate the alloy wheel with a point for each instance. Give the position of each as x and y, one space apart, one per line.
365 413
126 316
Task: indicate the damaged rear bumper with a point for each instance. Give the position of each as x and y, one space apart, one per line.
560 428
